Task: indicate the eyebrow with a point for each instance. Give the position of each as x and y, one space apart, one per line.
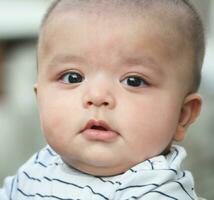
65 59
145 61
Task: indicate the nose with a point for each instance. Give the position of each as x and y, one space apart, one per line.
99 96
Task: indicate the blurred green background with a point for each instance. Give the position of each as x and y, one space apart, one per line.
19 121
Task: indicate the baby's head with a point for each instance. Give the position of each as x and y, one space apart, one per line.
117 80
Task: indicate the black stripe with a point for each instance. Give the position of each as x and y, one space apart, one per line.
134 197
27 195
134 171
175 171
184 174
175 155
40 163
97 193
137 186
41 195
118 182
172 170
151 163
11 189
50 152
68 183
166 195
108 181
32 178
183 189
37 157
64 182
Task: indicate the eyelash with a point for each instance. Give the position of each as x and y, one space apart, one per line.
135 81
67 78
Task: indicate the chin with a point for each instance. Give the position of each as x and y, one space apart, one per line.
101 171
98 167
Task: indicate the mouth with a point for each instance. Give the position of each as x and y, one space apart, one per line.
98 125
99 130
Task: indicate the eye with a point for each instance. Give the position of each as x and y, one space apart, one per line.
134 81
71 78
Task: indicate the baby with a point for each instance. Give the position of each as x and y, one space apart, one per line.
117 84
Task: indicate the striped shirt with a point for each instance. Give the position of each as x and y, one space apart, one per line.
46 176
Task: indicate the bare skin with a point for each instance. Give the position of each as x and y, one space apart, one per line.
109 55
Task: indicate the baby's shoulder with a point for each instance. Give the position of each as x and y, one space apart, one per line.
33 176
44 160
46 157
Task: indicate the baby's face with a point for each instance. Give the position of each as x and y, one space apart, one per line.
110 90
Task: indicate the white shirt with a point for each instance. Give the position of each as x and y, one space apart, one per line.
46 176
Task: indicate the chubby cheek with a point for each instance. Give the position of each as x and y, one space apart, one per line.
57 116
149 126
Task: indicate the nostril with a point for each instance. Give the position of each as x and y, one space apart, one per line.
89 103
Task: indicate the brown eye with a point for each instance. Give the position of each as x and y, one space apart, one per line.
134 81
72 77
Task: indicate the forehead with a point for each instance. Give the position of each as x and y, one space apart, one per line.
66 25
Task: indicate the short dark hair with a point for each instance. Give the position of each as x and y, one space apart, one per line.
195 28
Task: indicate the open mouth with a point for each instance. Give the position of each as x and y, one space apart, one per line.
99 128
97 125
99 131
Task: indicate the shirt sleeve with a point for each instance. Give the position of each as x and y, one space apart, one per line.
10 185
8 188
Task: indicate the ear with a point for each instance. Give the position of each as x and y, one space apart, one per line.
35 86
189 112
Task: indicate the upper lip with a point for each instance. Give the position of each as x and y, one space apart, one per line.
99 124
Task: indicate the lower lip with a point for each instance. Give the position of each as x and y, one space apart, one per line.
106 136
